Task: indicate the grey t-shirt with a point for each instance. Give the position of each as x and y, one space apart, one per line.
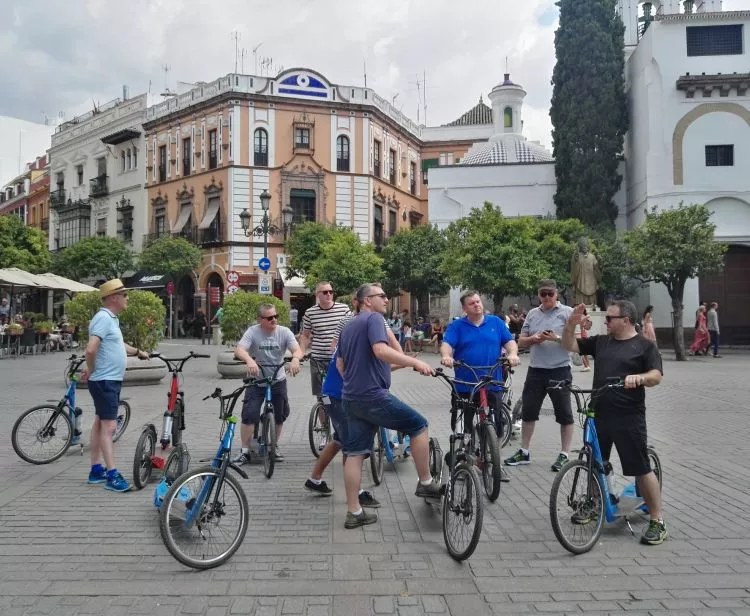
268 349
548 354
713 320
365 376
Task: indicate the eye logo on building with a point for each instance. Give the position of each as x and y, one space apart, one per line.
300 84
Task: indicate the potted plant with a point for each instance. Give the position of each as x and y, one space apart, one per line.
14 329
142 324
240 312
44 327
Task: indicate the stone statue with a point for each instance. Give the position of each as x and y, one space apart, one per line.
585 275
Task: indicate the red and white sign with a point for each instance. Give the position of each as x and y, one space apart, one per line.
233 277
232 288
215 296
170 288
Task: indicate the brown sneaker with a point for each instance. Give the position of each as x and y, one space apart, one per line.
363 519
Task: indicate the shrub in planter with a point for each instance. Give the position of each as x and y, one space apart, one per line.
240 310
14 329
44 327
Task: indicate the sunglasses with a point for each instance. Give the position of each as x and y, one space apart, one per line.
609 318
326 292
380 295
547 293
270 317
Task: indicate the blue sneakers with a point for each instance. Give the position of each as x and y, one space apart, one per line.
116 482
98 475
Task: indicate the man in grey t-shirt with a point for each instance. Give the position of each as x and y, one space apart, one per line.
262 348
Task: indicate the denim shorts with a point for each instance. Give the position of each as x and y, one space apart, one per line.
363 418
335 411
254 397
106 395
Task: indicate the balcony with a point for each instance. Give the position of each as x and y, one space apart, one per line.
150 238
98 187
212 159
215 234
57 198
188 233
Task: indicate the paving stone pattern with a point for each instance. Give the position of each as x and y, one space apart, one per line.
70 548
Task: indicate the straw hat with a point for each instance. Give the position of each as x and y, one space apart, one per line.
111 287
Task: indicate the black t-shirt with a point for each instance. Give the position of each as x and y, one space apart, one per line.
636 355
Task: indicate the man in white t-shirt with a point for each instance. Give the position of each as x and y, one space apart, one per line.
262 348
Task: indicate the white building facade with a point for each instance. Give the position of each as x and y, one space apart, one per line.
97 175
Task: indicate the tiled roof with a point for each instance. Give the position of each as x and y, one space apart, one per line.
480 114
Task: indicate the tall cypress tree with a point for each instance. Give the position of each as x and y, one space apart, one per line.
589 110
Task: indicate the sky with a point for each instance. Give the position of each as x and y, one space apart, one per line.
58 58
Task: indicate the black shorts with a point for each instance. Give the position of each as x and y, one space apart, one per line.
535 390
317 370
106 395
628 434
254 397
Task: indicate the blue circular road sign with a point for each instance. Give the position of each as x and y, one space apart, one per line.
264 264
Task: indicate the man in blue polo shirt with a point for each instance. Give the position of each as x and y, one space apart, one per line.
477 340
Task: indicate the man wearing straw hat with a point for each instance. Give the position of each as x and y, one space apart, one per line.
106 359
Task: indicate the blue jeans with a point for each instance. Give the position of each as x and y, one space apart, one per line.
714 341
363 418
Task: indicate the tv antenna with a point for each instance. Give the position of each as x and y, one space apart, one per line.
165 69
236 35
255 56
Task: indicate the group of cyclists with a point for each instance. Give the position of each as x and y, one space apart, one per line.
357 351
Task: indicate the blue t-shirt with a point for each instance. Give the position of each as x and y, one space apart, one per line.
365 376
477 346
111 358
333 382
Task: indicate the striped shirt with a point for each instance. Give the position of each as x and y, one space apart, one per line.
323 325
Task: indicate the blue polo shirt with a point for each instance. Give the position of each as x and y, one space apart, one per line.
111 358
477 345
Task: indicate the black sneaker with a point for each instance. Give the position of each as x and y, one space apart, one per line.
366 499
518 458
559 463
429 491
363 519
655 533
319 488
243 458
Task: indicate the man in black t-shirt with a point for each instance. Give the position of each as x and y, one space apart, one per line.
621 413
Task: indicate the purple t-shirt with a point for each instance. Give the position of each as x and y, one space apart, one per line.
365 376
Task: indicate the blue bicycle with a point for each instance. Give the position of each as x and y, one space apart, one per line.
581 498
387 445
44 433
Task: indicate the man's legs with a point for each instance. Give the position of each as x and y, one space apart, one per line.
352 482
96 450
534 392
420 449
326 457
247 431
714 341
648 486
106 430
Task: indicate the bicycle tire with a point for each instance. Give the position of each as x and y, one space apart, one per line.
144 452
312 426
122 421
592 509
171 502
178 423
51 423
436 459
377 457
656 466
268 427
177 463
503 425
490 452
473 510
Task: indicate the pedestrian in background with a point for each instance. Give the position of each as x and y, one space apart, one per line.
712 319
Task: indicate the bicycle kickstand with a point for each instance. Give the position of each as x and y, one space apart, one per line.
627 521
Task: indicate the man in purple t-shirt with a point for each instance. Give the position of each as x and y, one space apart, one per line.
365 360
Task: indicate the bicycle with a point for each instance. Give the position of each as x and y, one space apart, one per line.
319 425
460 500
198 501
384 449
173 423
57 427
584 512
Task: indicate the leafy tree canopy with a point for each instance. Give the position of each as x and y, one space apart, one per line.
306 244
108 257
240 312
171 256
22 246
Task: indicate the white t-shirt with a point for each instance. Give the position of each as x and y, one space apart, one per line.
268 349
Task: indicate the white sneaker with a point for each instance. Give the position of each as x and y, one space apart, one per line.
322 444
585 369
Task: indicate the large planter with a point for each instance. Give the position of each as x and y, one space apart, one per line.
137 372
228 367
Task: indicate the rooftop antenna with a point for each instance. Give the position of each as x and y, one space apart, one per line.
166 68
236 35
364 64
255 56
419 97
242 60
424 85
393 99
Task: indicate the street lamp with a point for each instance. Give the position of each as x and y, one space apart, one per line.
265 227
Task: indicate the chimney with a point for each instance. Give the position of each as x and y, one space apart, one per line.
125 93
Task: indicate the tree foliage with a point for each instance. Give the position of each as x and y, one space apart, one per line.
589 110
412 259
171 256
306 245
22 246
671 247
108 257
240 312
556 243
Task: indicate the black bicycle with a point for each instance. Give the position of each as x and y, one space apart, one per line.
319 424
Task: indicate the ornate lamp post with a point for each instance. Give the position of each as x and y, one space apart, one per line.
266 226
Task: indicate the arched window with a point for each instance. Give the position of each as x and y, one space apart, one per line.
122 161
342 153
130 160
508 117
261 148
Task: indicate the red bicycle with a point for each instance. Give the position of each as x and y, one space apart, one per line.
173 424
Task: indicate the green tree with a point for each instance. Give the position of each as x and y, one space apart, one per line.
346 262
497 256
556 243
22 246
171 256
94 256
305 246
671 247
412 261
617 281
589 110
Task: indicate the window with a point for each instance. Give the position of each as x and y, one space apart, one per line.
377 229
135 158
392 166
302 202
60 181
79 174
122 162
160 221
101 227
714 40
413 178
162 163
392 222
508 117
376 160
719 155
342 153
130 159
260 158
426 165
302 138
212 149
446 158
187 155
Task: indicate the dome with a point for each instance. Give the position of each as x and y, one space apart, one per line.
486 154
508 149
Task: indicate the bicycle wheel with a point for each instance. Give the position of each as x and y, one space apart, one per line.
269 441
177 463
517 409
503 425
436 459
42 434
576 507
203 523
377 457
489 457
123 419
144 451
462 512
318 428
656 466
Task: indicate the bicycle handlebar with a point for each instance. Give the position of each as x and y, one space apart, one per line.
172 362
613 382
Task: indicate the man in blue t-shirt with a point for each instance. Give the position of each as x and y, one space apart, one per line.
365 359
477 339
